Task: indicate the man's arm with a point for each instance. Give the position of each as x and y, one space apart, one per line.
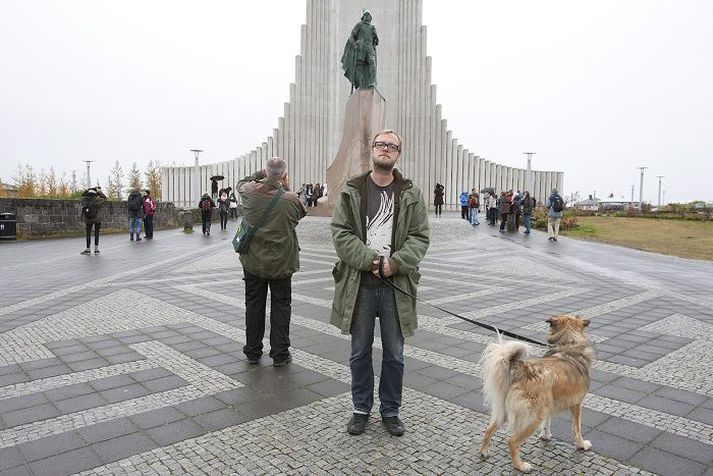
350 249
259 175
414 248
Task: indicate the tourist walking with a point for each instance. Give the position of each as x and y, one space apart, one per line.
555 209
309 194
463 199
93 200
135 208
206 206
473 206
438 198
528 205
149 212
272 256
233 205
223 208
316 194
379 228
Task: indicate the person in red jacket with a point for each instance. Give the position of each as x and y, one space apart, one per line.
149 211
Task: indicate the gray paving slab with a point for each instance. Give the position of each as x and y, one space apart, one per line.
130 362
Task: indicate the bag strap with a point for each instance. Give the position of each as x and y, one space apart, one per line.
272 204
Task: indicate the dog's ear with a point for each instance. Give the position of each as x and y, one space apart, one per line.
585 321
550 321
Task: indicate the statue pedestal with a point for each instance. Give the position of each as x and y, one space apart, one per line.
364 116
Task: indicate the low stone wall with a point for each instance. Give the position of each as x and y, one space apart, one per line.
37 216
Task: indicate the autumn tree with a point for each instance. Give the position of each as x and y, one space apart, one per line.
25 181
153 178
134 177
115 182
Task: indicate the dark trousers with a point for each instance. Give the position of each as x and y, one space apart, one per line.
224 220
439 209
464 212
492 215
503 220
97 227
206 222
280 311
148 226
517 221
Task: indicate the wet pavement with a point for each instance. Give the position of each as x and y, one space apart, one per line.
130 362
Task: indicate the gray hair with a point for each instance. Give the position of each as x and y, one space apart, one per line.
276 168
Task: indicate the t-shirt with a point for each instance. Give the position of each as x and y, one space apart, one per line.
379 223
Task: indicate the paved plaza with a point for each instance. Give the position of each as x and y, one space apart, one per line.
130 362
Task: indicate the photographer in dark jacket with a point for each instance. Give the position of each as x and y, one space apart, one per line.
92 203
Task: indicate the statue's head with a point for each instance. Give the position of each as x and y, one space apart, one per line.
365 16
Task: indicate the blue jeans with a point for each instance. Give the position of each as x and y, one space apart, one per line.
135 226
375 302
474 216
527 222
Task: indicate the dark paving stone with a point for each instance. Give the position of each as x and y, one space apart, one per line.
164 383
611 445
84 402
200 405
665 405
70 391
174 432
107 430
24 401
664 463
619 393
47 372
51 446
111 382
10 458
13 378
629 430
684 447
220 419
27 415
123 447
120 394
159 417
18 471
66 463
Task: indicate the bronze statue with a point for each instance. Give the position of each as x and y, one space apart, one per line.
359 58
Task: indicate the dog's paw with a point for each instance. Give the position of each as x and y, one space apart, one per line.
484 453
586 445
524 467
545 436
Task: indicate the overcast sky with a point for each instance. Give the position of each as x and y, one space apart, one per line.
595 88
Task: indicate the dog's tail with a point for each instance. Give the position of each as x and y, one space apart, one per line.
498 358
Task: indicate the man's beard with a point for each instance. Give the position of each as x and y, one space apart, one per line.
381 166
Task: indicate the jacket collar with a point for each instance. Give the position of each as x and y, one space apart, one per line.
359 181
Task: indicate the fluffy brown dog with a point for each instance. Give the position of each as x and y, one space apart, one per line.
525 394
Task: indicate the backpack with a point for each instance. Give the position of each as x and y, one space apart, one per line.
517 201
557 203
135 202
90 210
206 207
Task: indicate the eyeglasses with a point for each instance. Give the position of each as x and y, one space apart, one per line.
387 145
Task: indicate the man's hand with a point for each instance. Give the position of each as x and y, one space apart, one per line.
387 268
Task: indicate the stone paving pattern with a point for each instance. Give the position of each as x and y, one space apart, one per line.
130 362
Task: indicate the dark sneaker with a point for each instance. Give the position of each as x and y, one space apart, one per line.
283 362
357 424
138 238
393 425
86 252
253 360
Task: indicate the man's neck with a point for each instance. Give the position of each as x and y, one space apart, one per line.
382 177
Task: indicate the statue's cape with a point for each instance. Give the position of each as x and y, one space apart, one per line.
349 61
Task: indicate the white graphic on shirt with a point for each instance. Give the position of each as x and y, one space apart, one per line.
378 229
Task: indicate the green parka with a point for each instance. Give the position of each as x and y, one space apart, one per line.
410 243
273 253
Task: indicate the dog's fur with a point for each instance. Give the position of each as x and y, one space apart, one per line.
525 394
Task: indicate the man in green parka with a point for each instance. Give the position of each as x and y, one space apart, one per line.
379 221
271 258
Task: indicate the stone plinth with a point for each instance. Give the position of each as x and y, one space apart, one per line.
364 116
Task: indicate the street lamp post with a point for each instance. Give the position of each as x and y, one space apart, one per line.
660 177
89 175
528 185
197 176
641 189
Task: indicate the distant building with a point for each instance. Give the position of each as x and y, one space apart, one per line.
590 204
616 203
7 190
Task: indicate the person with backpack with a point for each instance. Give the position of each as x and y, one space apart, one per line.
223 207
473 205
149 212
206 205
92 203
555 209
463 204
135 207
504 206
438 193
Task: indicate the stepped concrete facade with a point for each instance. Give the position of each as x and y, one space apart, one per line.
308 134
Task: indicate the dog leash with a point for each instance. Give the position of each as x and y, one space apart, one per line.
395 287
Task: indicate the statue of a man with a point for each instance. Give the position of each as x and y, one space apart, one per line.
359 58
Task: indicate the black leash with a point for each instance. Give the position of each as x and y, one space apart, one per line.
393 286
